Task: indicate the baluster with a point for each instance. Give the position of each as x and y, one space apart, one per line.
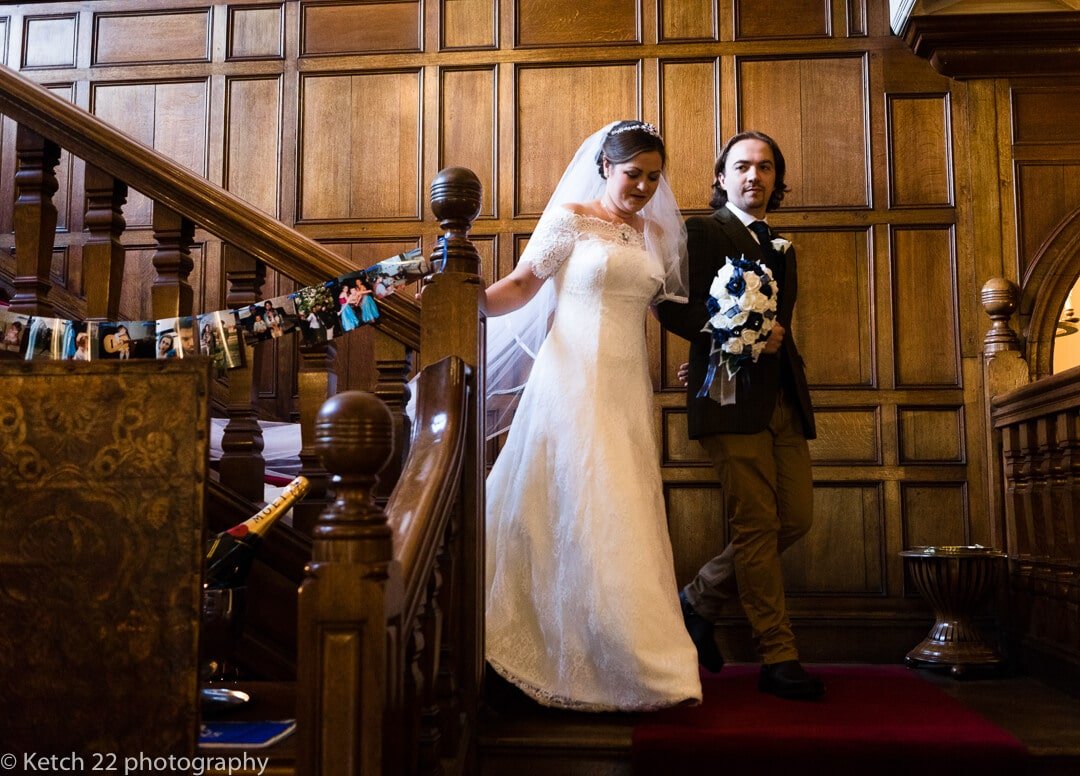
1070 465
242 466
429 742
452 322
103 255
171 293
317 381
446 685
414 692
1042 483
351 590
35 221
393 363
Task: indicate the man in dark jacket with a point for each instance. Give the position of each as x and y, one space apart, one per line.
757 439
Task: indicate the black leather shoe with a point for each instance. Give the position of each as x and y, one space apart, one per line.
701 633
788 679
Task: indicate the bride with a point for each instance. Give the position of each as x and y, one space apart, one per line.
582 602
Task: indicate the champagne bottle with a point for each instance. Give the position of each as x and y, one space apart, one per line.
231 552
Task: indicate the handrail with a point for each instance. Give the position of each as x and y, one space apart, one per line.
1042 397
210 206
427 488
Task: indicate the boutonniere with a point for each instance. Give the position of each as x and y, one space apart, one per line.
780 245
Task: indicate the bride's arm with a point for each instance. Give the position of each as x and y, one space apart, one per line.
513 291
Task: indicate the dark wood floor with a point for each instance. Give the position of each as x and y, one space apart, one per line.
521 739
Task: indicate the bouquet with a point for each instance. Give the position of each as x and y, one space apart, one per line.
742 310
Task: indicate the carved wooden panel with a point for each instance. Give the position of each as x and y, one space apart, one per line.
256 32
176 36
252 141
925 326
827 151
1039 214
674 350
676 447
50 41
101 545
548 131
920 150
931 434
856 17
844 550
782 18
170 117
360 28
846 436
835 295
364 253
469 23
689 116
696 524
488 248
139 275
468 122
571 22
686 20
934 514
360 146
1046 114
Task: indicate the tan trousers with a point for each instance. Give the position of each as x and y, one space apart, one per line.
769 500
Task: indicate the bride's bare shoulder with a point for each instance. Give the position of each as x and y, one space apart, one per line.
582 208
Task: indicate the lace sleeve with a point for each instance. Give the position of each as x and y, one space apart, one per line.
551 242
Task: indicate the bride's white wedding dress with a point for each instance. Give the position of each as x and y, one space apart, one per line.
582 603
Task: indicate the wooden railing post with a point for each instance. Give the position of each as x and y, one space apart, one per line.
452 324
35 221
351 590
171 293
103 255
317 381
242 466
393 363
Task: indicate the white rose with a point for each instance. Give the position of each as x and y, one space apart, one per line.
749 336
753 281
733 346
738 319
753 300
780 245
718 289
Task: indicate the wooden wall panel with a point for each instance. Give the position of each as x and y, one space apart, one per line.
856 17
687 20
782 18
835 295
926 334
488 248
690 109
920 151
696 524
571 22
253 126
934 514
49 41
139 273
63 198
360 28
1047 193
677 449
549 131
844 551
847 436
674 350
826 150
931 434
1046 114
256 33
469 123
360 146
468 23
181 36
169 117
364 253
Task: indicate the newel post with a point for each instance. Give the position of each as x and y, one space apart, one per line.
352 587
1004 369
452 323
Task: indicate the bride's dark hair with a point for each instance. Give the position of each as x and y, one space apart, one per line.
626 140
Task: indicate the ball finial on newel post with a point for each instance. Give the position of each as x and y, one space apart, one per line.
456 195
999 299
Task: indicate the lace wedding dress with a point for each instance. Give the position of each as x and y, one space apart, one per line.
582 603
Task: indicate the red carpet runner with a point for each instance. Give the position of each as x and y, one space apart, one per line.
873 720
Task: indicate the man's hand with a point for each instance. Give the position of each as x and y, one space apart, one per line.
684 373
776 338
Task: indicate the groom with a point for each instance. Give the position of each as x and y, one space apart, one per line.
758 443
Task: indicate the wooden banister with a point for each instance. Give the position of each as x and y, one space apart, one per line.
206 204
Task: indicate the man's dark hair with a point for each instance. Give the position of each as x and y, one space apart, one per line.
719 197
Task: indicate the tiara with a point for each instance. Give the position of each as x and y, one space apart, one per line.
641 126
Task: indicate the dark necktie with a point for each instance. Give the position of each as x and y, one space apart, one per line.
773 258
